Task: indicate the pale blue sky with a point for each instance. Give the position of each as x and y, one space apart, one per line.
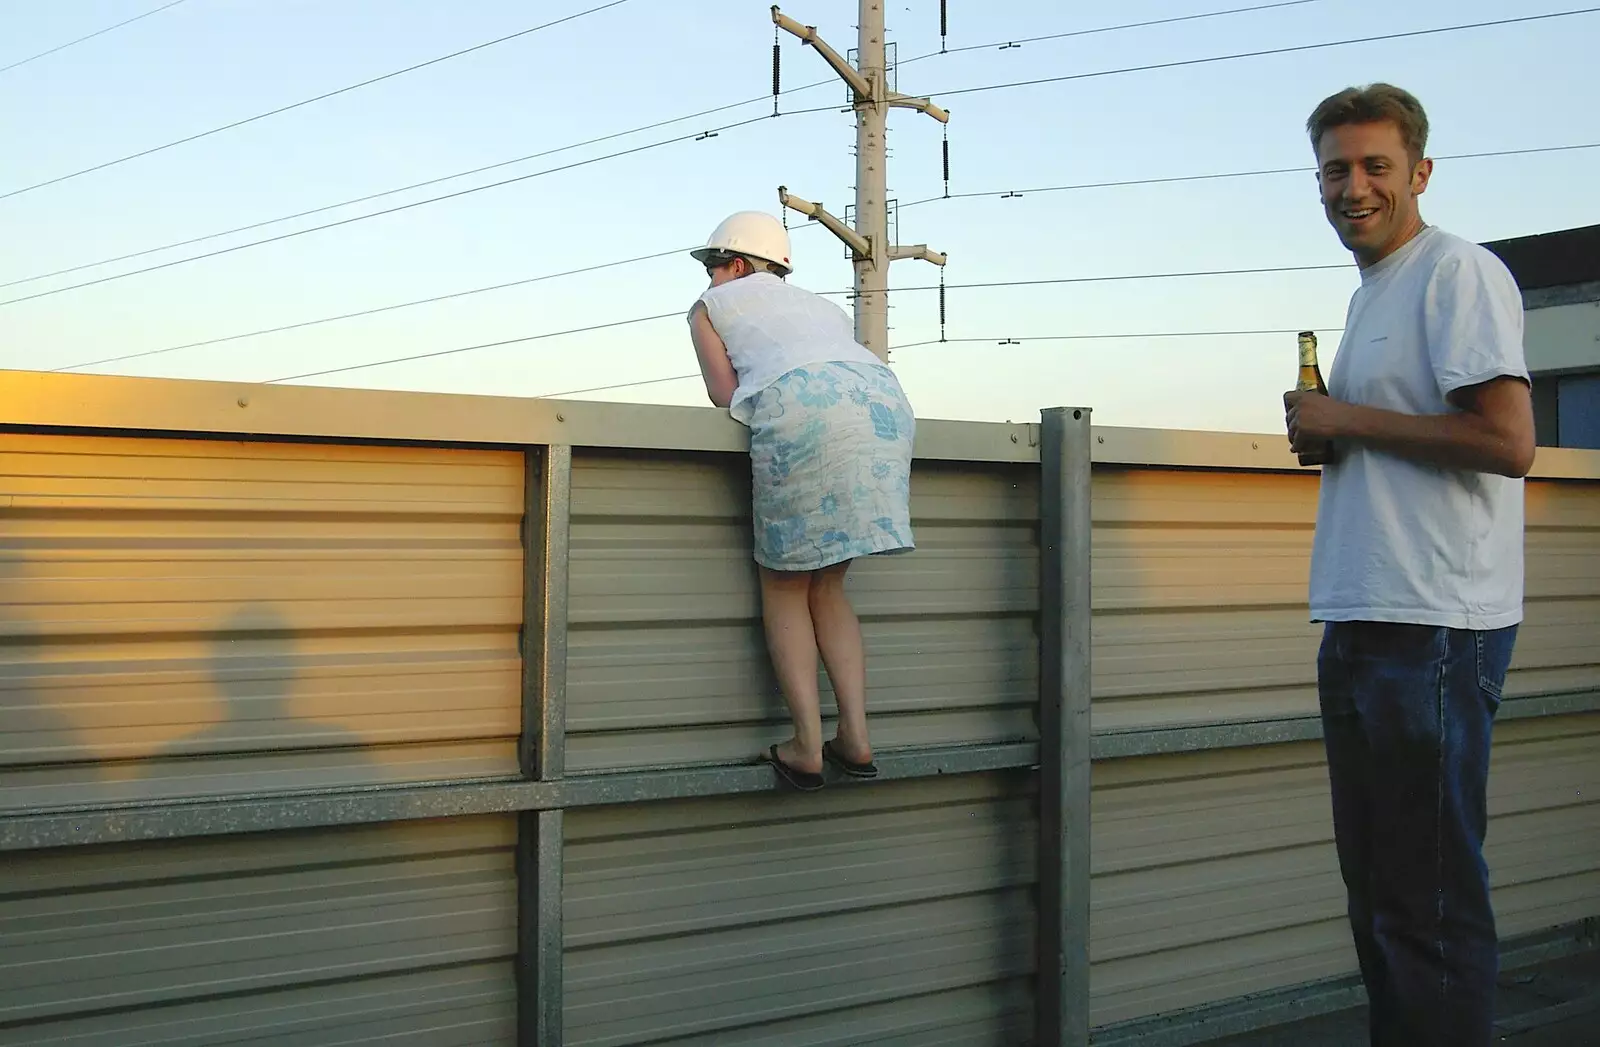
207 62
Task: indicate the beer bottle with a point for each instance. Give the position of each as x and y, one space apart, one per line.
1310 380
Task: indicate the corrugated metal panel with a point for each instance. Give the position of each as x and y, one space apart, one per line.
1215 874
189 617
1544 838
666 661
1558 646
1200 596
402 934
898 913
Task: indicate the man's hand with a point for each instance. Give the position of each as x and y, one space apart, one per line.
1491 432
1312 419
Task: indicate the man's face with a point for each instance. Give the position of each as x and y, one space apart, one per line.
1370 188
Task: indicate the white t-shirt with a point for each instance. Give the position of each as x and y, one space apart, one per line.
771 327
1399 541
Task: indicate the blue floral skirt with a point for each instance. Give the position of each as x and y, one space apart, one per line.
830 457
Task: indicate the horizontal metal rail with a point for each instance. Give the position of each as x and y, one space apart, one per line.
1161 741
1567 704
176 819
173 819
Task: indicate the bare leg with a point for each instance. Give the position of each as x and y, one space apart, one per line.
791 641
838 633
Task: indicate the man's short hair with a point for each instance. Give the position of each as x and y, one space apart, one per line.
1374 103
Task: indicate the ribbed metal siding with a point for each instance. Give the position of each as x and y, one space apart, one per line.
1215 874
1200 596
400 934
1558 645
891 914
190 617
666 659
1544 834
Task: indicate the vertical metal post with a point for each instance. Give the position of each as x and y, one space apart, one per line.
544 693
1064 648
539 936
542 746
872 184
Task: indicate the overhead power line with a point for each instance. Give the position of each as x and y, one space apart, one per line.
485 345
308 101
1019 41
1004 193
928 287
663 254
827 108
91 36
373 311
1120 277
1100 337
617 385
407 188
684 377
1262 53
406 207
944 341
591 141
404 189
1010 193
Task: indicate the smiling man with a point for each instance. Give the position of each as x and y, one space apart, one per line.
1416 569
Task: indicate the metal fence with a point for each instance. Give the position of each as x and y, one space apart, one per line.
332 714
139 851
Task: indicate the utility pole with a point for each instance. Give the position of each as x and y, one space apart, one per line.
869 244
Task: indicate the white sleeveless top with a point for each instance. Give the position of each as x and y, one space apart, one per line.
771 327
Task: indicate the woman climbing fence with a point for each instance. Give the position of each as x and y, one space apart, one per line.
831 434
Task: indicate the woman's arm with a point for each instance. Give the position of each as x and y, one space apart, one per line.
715 368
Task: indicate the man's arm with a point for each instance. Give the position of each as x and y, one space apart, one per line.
1491 433
1472 317
715 367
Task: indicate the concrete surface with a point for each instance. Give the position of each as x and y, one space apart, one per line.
1554 1004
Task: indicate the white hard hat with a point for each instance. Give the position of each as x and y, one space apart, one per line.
753 233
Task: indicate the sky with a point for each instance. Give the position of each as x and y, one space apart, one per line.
201 64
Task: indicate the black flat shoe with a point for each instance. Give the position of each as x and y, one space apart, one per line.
798 779
854 770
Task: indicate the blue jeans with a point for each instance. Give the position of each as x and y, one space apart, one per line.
1407 712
